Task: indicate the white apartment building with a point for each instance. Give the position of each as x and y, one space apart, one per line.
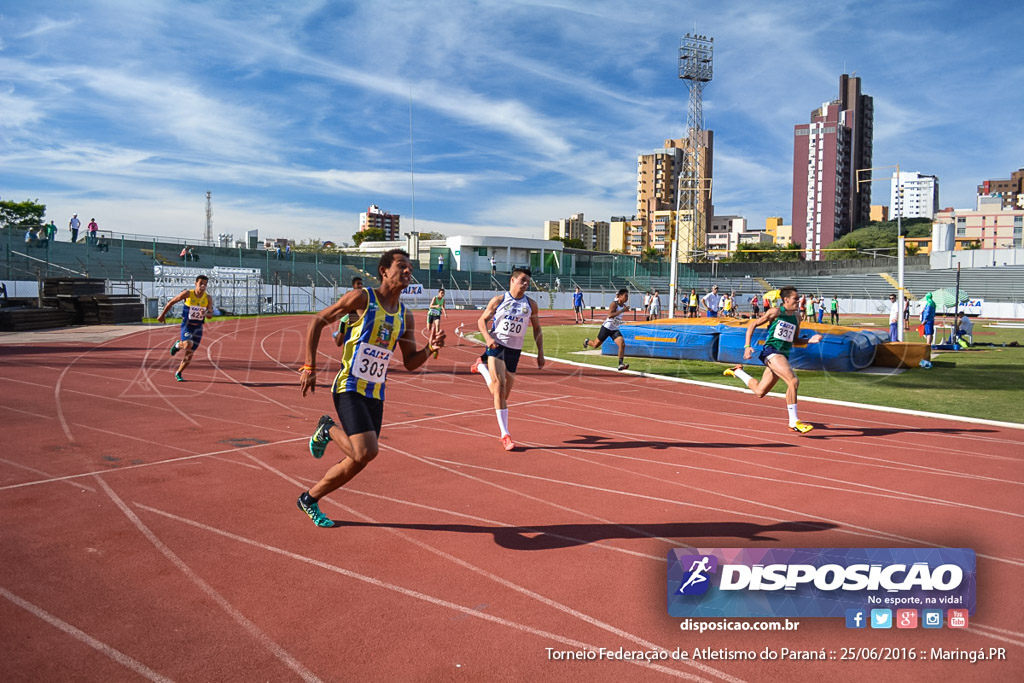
920 195
723 235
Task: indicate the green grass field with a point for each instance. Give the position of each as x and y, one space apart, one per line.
982 382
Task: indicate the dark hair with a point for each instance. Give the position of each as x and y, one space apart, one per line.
355 280
440 289
522 269
388 257
622 291
202 277
786 291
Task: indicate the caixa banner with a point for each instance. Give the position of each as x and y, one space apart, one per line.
817 582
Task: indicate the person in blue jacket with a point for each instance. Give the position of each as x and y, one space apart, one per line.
928 318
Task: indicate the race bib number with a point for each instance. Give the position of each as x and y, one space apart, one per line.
512 327
784 331
371 363
196 313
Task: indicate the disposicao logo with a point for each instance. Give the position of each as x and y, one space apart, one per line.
818 582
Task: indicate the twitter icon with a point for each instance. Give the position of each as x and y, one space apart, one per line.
881 618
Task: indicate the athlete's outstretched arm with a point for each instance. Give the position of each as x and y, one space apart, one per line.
411 357
538 335
484 323
350 301
771 314
167 308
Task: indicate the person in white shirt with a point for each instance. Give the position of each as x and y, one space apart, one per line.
654 309
712 302
503 325
894 318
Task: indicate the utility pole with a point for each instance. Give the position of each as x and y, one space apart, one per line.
209 220
696 68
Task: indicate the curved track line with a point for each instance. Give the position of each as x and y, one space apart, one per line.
252 629
80 635
586 618
439 602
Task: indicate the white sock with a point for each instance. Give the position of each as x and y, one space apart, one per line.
793 419
742 375
484 372
503 421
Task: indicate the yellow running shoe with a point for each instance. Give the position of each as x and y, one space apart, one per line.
731 372
801 427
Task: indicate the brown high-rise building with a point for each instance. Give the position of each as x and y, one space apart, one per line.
657 189
827 153
1011 191
390 223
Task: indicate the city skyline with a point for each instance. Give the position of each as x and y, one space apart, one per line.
296 116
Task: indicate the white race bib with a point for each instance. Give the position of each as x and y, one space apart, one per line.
371 363
512 326
784 331
196 313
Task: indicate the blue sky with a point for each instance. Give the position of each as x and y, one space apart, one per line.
296 115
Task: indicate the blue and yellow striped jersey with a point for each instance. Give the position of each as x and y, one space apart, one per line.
367 350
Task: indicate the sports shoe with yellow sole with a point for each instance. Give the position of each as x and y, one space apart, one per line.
731 372
801 427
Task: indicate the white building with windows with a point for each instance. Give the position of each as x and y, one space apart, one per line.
920 198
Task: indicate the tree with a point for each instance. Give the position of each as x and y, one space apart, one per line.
25 214
912 249
369 235
651 254
432 236
761 252
573 242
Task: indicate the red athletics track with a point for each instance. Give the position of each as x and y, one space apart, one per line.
149 530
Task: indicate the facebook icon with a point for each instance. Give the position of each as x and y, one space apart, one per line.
856 618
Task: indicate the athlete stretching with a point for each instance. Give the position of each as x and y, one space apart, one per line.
358 389
783 330
503 325
197 308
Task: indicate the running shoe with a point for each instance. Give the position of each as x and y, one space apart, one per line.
313 511
321 437
474 367
623 366
507 443
801 427
586 343
174 348
731 372
178 377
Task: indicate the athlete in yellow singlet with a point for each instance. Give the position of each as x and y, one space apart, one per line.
358 389
197 307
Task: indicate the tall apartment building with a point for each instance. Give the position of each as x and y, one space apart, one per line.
625 235
593 234
375 218
827 153
657 192
724 235
920 198
1010 191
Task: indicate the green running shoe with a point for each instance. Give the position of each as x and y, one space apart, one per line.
174 348
313 512
178 377
321 437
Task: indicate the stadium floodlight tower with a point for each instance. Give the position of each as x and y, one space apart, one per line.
695 67
208 235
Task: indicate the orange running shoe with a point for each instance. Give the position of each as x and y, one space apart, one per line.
507 443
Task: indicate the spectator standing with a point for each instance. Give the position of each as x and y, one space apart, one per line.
577 305
894 318
928 319
277 253
51 231
712 302
654 311
440 263
494 266
833 310
692 304
754 309
821 309
184 253
93 230
288 251
73 226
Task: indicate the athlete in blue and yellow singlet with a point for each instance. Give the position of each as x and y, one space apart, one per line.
196 308
367 350
358 389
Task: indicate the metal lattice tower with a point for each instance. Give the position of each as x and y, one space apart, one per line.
209 220
695 67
